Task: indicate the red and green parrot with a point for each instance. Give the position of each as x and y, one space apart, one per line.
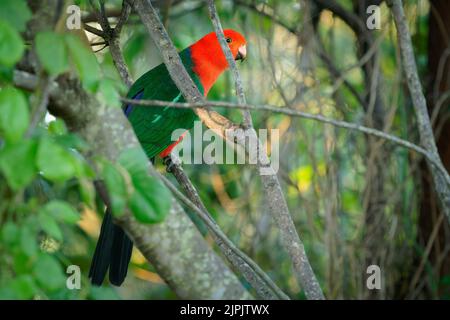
205 61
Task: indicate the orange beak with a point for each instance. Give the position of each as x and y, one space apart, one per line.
242 53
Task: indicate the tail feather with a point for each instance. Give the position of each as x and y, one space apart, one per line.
102 255
122 248
113 251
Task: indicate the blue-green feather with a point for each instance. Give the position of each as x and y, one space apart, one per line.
154 125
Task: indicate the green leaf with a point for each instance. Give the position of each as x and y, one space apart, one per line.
55 162
14 114
28 241
142 210
12 47
134 160
85 62
150 202
73 141
21 263
10 233
61 211
134 46
48 272
87 191
156 194
148 208
57 127
117 189
17 162
52 52
15 12
82 168
6 73
24 286
49 225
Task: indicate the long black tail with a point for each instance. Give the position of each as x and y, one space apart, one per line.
113 250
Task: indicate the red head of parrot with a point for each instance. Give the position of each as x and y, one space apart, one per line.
209 60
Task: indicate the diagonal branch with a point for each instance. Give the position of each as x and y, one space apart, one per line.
248 123
124 15
274 195
296 113
259 280
40 108
221 125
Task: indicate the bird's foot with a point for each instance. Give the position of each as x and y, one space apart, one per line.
168 163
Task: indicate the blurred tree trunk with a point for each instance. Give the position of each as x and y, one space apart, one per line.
438 84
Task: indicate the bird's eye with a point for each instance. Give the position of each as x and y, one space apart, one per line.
228 40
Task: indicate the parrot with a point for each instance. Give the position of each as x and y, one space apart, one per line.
205 62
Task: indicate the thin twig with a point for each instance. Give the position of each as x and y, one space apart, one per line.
102 19
231 62
93 30
98 43
41 107
112 37
294 113
124 15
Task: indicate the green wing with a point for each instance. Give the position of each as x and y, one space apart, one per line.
154 125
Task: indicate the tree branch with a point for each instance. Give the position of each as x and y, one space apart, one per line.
275 198
420 107
93 30
248 123
294 113
259 280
